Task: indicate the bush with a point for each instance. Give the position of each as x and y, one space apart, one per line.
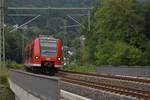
4 74
13 65
118 53
3 79
81 68
5 92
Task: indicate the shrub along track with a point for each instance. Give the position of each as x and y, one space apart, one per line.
74 77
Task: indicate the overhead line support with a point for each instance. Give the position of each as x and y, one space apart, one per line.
2 37
48 8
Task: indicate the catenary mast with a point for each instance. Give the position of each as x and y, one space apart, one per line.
2 39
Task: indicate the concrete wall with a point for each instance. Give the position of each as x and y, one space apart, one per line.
20 93
125 70
43 87
70 96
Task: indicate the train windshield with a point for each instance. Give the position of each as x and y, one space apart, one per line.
49 48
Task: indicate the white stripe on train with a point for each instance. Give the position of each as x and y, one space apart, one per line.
39 65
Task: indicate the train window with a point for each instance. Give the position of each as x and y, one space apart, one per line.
24 59
32 51
49 48
28 54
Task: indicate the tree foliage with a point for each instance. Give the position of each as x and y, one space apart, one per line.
118 53
120 20
117 35
13 45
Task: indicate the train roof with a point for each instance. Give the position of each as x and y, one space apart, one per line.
46 37
42 38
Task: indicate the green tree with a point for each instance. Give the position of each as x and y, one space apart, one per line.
147 18
120 20
117 34
13 45
118 53
91 39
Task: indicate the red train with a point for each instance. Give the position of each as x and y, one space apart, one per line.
44 55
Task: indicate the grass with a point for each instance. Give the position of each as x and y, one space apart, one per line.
81 68
13 65
3 77
5 92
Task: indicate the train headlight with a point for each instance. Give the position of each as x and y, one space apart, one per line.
36 57
59 59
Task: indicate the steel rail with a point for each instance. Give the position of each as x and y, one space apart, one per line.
110 88
128 78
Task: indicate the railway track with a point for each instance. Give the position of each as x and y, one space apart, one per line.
107 87
133 79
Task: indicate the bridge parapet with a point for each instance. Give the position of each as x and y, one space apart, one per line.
28 86
135 71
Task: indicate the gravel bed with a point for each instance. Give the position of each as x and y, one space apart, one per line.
93 94
117 82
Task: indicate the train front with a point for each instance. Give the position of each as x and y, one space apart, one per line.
51 54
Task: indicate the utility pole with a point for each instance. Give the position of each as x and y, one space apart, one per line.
65 41
65 32
89 20
23 42
2 37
